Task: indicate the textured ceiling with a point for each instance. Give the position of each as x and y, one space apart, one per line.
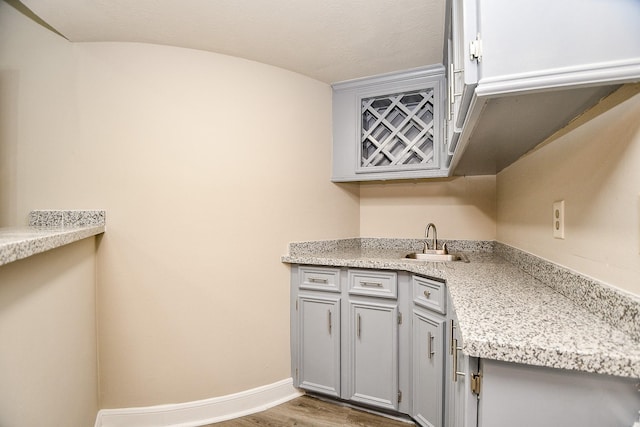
330 40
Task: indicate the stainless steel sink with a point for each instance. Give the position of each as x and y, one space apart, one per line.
437 257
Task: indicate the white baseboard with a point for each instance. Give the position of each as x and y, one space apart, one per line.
201 412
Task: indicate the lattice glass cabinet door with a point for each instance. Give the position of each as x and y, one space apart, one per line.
398 131
389 126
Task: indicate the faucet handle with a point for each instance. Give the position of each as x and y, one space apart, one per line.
444 248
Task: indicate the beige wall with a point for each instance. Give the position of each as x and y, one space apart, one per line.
36 94
594 166
207 166
461 208
47 330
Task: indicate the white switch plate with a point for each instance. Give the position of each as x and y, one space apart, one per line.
558 219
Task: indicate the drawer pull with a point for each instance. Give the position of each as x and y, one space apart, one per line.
316 280
371 284
430 345
427 294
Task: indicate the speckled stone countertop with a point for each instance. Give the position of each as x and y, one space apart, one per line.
48 230
505 313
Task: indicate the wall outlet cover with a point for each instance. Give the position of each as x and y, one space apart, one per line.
558 219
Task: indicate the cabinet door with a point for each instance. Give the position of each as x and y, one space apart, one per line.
463 404
374 354
319 344
428 368
463 69
549 37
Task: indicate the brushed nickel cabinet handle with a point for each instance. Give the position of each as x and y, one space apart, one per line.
371 284
329 317
452 91
430 345
427 294
358 322
454 365
453 326
316 280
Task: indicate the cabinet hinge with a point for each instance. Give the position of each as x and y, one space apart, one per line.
476 381
399 396
399 318
475 49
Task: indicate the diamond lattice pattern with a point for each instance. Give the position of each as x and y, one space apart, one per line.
397 129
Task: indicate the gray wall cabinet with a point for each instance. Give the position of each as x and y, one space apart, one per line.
513 74
389 126
519 71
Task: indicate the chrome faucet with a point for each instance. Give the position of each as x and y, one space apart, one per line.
434 240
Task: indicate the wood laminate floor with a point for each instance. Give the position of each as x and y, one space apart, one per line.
312 412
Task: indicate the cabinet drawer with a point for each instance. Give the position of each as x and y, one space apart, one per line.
320 279
429 294
382 284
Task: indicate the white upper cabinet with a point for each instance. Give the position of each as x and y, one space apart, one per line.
518 71
549 43
389 126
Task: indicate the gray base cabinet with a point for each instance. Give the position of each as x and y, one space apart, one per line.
371 337
427 360
462 401
428 351
319 344
532 396
348 338
374 354
513 394
389 340
491 393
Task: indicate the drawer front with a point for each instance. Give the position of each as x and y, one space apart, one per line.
429 294
382 284
320 279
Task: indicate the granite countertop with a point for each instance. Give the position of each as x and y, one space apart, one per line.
503 312
48 230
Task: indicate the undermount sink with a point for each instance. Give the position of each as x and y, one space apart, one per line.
437 257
